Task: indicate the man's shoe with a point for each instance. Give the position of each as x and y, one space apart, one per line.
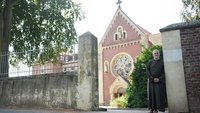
150 112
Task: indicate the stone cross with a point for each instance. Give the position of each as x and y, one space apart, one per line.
119 2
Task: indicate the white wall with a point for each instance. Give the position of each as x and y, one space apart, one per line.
175 80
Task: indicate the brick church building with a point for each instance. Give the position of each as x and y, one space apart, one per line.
118 49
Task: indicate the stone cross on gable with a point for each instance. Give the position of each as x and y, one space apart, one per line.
119 2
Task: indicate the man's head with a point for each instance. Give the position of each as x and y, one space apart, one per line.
156 54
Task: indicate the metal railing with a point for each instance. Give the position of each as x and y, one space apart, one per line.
28 63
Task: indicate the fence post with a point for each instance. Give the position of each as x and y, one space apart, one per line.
87 93
4 65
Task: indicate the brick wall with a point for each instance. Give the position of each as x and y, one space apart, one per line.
190 41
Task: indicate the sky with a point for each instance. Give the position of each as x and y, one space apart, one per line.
152 15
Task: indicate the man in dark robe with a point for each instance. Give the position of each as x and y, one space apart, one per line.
156 78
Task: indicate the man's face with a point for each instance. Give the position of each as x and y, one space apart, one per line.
156 54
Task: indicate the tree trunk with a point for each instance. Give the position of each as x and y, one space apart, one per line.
5 26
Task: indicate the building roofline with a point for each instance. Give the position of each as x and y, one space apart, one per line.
141 30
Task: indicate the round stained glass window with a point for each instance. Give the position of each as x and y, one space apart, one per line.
122 65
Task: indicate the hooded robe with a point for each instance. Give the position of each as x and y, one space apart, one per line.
156 93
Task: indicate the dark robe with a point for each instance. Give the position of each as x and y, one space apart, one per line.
156 93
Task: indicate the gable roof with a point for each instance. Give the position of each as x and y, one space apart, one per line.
138 28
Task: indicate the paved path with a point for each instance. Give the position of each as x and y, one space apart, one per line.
72 111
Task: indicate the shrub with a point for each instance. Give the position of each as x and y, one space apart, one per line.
120 102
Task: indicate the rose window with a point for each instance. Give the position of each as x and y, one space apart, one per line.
122 65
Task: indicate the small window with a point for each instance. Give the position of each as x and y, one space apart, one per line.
115 36
124 34
106 66
120 34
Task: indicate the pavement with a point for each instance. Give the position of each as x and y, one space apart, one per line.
107 110
71 111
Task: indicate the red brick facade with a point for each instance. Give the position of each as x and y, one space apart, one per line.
113 45
190 41
108 55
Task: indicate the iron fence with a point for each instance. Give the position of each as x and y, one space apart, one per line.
14 64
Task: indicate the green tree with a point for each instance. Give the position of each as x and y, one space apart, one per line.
191 10
35 24
137 89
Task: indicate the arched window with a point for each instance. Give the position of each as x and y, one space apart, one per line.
124 34
116 38
106 67
120 34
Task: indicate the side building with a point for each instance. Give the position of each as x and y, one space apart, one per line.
66 62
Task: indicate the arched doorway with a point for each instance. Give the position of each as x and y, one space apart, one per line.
120 92
118 88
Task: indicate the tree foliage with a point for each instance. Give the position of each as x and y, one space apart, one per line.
137 89
191 10
35 24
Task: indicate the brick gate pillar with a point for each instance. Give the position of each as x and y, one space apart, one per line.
181 51
87 95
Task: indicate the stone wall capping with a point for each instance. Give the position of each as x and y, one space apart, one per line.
182 25
87 34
